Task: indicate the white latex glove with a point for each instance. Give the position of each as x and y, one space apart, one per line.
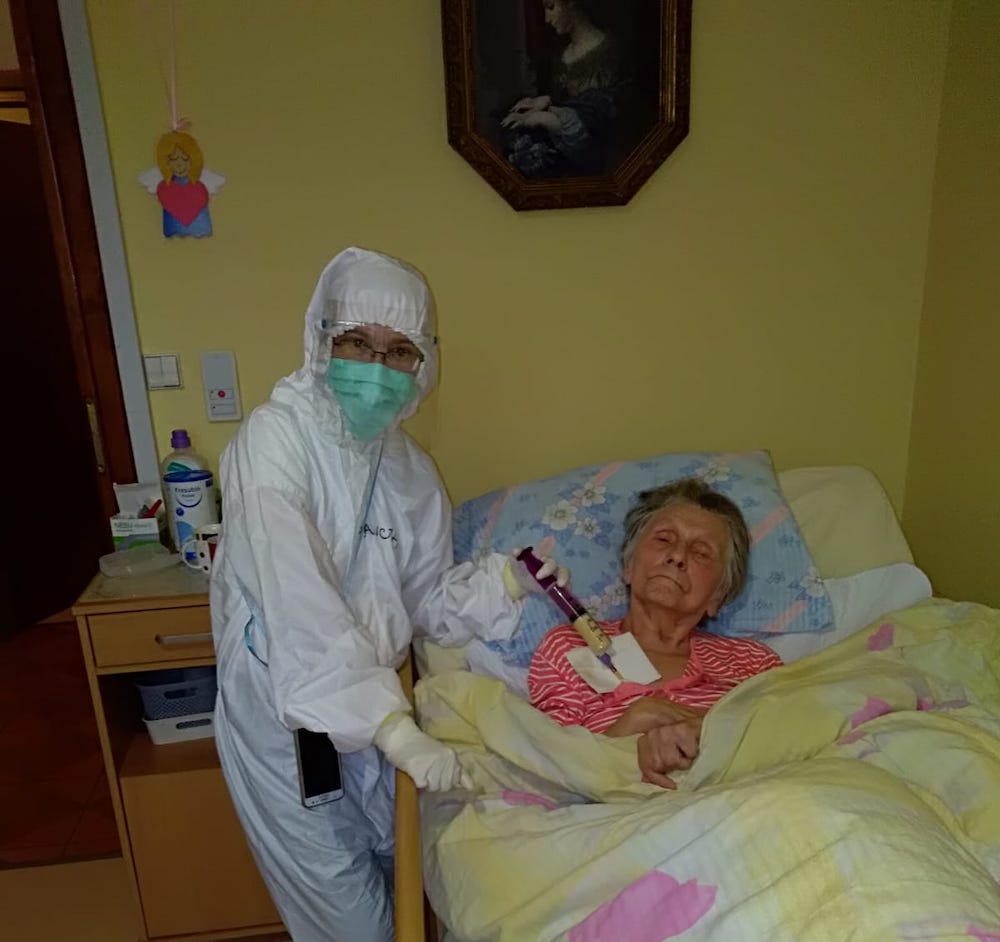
519 582
431 764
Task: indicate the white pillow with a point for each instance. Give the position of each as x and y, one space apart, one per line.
857 601
845 518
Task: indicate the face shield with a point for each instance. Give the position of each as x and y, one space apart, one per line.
400 350
372 372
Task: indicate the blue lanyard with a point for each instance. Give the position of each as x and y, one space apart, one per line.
363 522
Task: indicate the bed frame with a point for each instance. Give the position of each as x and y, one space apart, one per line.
415 920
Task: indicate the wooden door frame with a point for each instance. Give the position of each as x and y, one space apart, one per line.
49 94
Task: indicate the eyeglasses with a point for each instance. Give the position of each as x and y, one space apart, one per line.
403 357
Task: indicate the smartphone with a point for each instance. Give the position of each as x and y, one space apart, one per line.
320 775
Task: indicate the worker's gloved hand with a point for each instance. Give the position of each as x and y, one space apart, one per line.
519 582
431 764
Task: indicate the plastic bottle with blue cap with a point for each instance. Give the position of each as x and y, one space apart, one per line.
189 489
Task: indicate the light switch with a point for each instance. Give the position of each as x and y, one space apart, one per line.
162 371
171 372
222 394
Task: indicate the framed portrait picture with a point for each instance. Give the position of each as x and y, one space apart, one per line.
563 103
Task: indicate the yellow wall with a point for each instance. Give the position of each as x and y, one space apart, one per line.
8 52
763 289
8 62
952 516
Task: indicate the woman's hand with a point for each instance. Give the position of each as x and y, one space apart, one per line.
532 119
531 104
667 749
649 713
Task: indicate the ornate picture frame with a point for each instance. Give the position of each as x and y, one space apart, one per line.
566 103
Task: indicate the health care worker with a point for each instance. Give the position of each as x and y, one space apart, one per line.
336 550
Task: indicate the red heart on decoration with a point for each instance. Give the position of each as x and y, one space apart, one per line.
182 200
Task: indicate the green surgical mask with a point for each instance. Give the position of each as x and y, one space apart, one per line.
370 394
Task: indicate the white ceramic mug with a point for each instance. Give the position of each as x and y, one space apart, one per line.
199 553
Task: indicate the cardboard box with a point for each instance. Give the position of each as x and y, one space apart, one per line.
130 532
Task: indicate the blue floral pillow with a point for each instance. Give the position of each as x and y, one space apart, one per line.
578 517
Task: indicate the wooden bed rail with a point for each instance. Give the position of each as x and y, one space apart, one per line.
411 925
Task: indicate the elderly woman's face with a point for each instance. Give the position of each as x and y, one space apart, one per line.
557 14
679 560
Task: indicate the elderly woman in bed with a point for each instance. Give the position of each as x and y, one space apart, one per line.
684 556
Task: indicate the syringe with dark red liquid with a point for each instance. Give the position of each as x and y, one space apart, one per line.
582 620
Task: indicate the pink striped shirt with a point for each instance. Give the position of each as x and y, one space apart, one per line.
715 665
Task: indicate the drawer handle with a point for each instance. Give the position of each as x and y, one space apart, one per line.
168 640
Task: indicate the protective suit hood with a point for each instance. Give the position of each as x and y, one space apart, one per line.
362 287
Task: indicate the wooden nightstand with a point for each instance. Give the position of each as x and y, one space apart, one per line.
191 870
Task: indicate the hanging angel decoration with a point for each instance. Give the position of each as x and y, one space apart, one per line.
183 184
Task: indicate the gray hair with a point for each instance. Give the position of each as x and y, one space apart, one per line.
697 493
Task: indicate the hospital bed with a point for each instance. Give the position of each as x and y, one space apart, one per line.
848 526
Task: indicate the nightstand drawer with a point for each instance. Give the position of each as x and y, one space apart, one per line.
170 634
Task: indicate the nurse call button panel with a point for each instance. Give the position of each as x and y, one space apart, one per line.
222 394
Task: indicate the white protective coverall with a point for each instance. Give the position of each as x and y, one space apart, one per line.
296 646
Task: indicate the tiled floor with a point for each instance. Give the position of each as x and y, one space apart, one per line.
54 802
75 902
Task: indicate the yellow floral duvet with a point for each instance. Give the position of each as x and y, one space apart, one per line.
854 795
